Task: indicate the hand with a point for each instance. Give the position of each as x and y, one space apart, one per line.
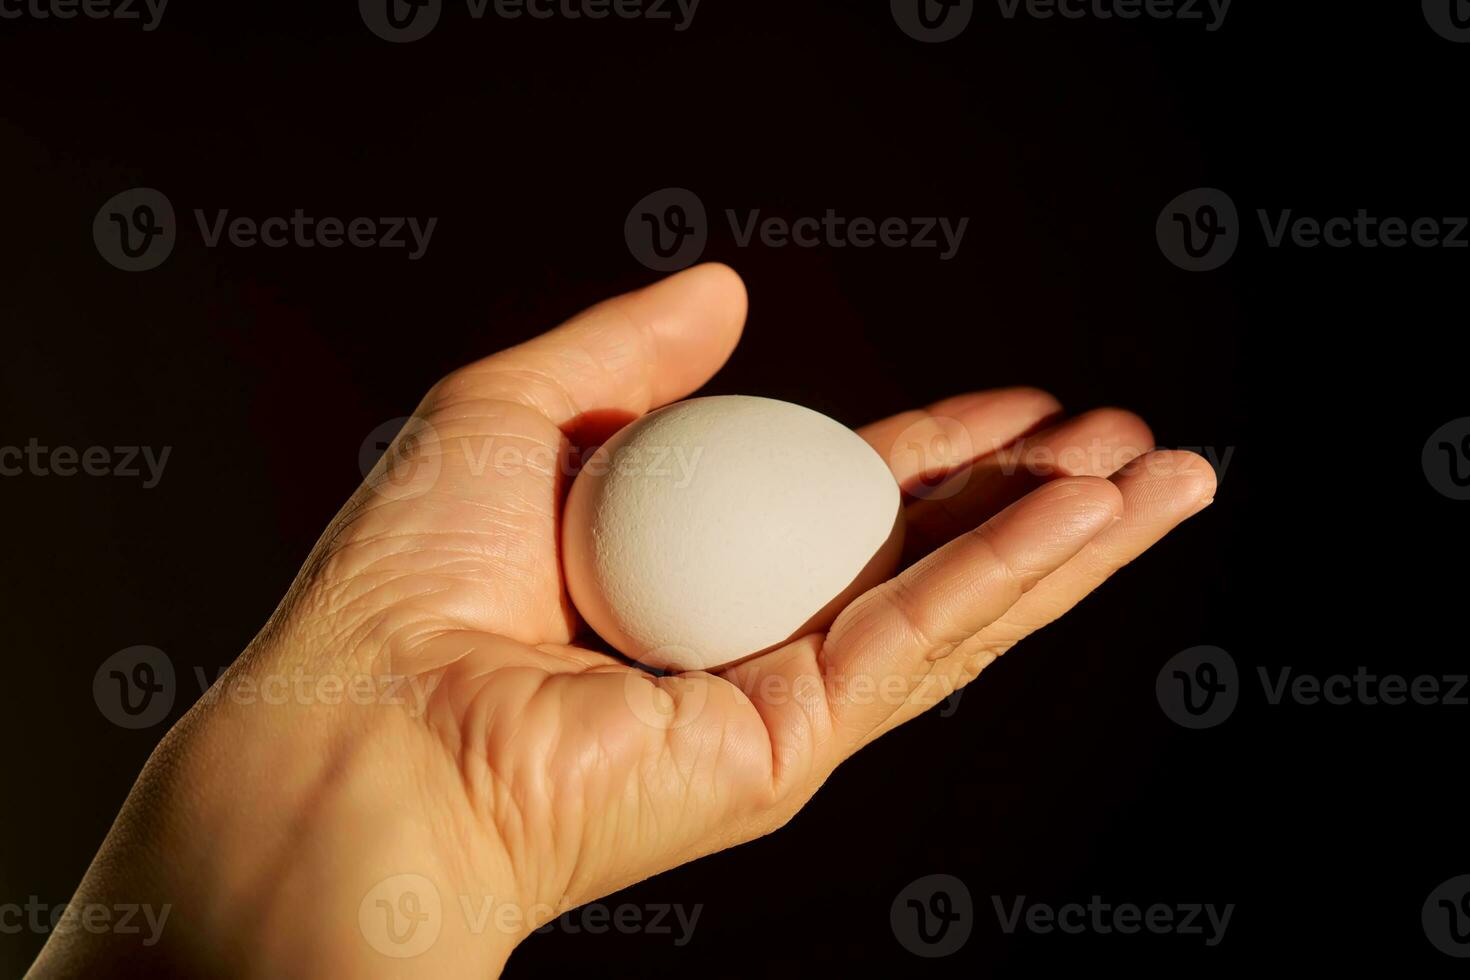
532 772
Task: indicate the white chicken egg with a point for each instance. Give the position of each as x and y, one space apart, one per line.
720 527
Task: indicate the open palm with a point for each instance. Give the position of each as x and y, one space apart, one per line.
544 773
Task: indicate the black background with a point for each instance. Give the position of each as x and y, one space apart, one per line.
1321 372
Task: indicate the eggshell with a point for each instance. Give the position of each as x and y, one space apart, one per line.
717 528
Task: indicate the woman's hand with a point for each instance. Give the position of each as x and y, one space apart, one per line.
454 769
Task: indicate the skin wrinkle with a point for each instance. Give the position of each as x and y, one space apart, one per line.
403 640
719 749
642 768
531 382
771 747
485 464
646 333
542 779
897 596
542 766
993 562
488 787
548 378
928 667
302 593
480 408
782 776
503 551
399 601
589 841
416 540
815 737
495 563
581 361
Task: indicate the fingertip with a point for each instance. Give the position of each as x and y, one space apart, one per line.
1189 470
1196 481
1172 479
696 317
713 289
1035 403
721 277
1127 428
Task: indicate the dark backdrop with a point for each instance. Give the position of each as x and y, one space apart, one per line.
1317 373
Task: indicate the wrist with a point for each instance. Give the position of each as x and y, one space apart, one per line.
263 840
